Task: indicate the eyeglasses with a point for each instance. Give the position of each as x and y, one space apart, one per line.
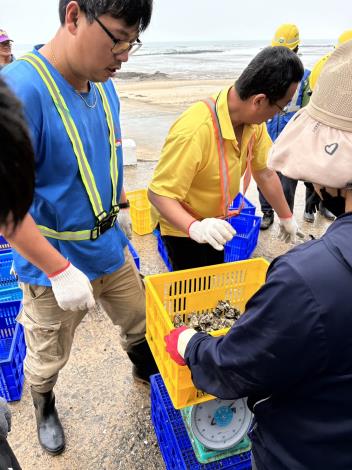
283 110
120 46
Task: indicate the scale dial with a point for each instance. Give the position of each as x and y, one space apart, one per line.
220 424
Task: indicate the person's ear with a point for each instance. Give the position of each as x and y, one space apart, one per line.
72 14
259 100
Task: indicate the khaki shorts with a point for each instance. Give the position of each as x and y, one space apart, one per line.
49 330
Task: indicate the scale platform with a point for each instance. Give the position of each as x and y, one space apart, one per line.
218 428
174 441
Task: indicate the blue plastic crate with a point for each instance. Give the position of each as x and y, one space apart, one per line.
12 352
9 289
244 242
4 244
11 293
248 207
134 254
173 440
8 314
162 250
6 260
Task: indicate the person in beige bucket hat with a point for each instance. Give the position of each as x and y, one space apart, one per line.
316 145
290 351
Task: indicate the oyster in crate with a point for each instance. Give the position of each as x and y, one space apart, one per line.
222 316
178 321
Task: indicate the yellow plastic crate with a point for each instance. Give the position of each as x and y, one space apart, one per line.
194 290
140 211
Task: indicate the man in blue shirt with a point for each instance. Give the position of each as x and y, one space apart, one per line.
70 251
16 195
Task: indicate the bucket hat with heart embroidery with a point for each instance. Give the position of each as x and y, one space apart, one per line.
316 145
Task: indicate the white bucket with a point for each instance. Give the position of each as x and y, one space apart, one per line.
129 152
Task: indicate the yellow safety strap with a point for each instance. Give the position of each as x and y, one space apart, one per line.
113 158
83 164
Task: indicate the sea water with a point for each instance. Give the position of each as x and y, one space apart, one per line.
201 59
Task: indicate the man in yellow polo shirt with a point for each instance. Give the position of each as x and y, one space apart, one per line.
206 153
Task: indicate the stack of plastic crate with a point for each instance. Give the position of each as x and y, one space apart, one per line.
12 343
173 439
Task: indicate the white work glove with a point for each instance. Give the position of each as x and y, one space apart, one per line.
72 289
5 418
124 221
288 230
216 232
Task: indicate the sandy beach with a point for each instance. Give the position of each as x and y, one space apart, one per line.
149 107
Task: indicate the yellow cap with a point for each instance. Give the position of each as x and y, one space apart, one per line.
344 37
286 35
317 68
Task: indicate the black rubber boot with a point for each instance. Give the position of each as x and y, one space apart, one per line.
267 220
143 362
50 432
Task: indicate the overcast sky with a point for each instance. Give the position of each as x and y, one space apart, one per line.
35 21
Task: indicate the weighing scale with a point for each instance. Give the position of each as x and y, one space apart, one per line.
218 428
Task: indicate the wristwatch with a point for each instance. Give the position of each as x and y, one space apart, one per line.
124 205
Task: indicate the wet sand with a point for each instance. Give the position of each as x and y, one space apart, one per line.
148 108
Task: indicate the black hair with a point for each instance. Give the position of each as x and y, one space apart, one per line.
130 11
271 72
16 161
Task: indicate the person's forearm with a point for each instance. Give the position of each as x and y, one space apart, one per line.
30 243
270 185
123 197
172 211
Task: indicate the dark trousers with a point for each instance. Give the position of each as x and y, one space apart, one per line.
289 186
7 457
309 194
185 253
254 466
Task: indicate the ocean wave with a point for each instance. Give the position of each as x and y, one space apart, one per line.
315 46
180 52
143 76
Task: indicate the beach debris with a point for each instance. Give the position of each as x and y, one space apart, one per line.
222 316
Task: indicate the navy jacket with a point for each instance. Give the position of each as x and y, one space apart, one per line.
291 355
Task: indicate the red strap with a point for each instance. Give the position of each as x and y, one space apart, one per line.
246 177
223 162
56 273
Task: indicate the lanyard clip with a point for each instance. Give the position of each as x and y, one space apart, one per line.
104 224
